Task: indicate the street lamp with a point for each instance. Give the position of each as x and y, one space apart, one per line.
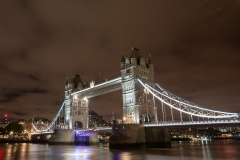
146 91
124 118
85 99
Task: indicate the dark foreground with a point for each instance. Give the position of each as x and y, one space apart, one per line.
228 149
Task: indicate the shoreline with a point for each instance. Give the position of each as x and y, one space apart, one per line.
44 142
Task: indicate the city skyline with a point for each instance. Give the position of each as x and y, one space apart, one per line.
194 46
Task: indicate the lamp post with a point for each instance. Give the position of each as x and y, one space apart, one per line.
2 113
124 118
146 92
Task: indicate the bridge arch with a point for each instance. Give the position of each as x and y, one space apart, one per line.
139 92
146 118
135 66
78 125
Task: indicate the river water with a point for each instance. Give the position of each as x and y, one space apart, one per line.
215 150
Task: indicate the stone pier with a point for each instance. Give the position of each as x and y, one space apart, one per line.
69 136
62 136
157 138
130 136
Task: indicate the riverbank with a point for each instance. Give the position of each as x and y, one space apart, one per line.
217 150
7 140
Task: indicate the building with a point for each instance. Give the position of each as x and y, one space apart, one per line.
39 122
5 118
95 120
138 104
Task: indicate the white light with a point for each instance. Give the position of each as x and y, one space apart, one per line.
190 102
75 96
117 79
85 99
146 87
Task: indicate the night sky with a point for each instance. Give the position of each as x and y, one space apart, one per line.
194 45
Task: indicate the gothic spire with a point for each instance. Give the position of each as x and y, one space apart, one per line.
123 59
67 82
135 53
149 60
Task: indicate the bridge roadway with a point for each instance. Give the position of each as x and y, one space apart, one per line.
106 86
97 129
169 125
196 124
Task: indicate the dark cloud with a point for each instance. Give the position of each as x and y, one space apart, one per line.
58 103
33 77
194 46
39 109
18 113
9 96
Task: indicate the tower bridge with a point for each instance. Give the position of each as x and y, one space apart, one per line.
139 94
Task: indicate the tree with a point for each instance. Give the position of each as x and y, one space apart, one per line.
14 127
2 131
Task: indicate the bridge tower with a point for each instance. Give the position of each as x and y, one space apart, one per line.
138 105
76 106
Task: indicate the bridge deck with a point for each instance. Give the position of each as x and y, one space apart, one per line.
109 85
196 124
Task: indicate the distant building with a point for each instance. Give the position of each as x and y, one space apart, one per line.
182 133
95 120
5 118
39 122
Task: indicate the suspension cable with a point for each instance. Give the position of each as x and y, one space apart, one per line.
53 121
195 113
171 111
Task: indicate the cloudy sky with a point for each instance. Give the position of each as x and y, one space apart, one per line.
194 45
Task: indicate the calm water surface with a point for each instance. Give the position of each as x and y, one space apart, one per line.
214 150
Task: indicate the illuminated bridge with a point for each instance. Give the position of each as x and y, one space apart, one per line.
140 93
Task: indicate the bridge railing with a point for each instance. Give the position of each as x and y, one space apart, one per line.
102 81
183 106
108 79
223 121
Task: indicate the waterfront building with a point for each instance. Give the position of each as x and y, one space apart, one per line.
95 120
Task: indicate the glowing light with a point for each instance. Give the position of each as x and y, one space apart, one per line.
48 128
85 99
117 79
195 106
147 87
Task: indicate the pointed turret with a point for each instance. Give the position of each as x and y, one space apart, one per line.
77 82
149 60
87 84
135 55
122 61
150 66
67 82
66 85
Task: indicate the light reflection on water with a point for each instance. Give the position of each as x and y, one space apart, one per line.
180 151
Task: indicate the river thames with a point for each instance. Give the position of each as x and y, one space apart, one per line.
215 150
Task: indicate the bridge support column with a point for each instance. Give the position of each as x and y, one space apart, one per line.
71 136
62 136
39 138
130 136
127 136
157 138
86 140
